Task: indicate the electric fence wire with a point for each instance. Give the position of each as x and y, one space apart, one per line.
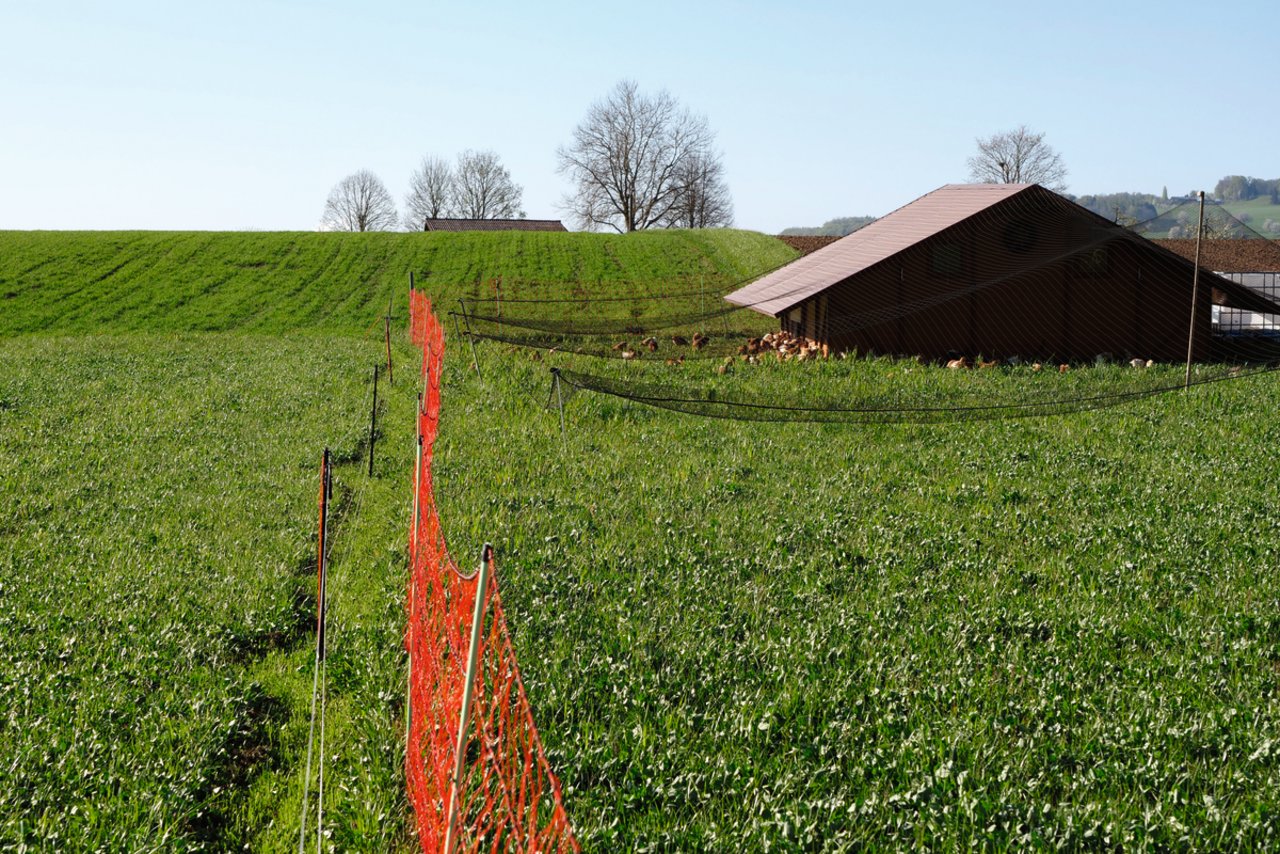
1103 235
747 409
1074 248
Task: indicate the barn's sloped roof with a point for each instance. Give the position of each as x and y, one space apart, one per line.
450 224
908 225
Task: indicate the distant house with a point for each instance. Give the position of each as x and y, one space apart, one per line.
493 225
999 270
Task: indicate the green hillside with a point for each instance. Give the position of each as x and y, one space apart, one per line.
71 282
157 534
1031 633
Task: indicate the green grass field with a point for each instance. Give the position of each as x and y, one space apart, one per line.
1257 211
157 519
157 581
1053 632
68 282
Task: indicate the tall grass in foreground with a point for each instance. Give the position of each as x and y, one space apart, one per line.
157 579
1044 632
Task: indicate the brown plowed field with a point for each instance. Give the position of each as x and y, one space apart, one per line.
807 244
1230 256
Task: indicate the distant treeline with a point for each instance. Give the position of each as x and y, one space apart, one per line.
838 227
1238 188
1125 208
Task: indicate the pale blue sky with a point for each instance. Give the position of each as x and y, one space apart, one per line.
235 115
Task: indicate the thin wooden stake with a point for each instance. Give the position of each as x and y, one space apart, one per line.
560 403
470 338
323 641
1195 293
326 491
413 587
387 335
373 419
497 290
468 689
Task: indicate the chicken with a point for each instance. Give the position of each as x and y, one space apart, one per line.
651 343
957 364
621 345
679 340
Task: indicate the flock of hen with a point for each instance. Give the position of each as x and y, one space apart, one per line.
787 347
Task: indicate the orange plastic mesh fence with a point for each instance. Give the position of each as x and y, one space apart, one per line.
509 800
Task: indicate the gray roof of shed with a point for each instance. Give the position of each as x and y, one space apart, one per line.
451 224
933 212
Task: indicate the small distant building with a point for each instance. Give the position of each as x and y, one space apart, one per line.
451 224
1000 270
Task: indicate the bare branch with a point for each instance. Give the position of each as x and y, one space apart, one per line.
1019 156
635 158
483 188
359 202
703 200
430 193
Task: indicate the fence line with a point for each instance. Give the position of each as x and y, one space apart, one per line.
507 797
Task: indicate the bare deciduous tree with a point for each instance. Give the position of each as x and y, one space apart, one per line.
430 193
1019 156
627 156
703 200
360 202
483 189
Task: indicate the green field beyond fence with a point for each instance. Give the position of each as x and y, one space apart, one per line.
70 282
734 636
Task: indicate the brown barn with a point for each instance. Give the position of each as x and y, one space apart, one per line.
451 224
998 270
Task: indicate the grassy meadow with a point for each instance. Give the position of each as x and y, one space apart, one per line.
1042 632
157 591
164 400
264 282
1257 211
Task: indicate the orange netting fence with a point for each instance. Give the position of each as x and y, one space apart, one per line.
507 799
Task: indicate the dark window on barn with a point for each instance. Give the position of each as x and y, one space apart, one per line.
794 321
1019 236
1090 262
948 259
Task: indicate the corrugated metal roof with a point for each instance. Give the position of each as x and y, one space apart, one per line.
450 224
931 213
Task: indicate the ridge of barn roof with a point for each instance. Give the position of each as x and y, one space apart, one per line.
933 212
